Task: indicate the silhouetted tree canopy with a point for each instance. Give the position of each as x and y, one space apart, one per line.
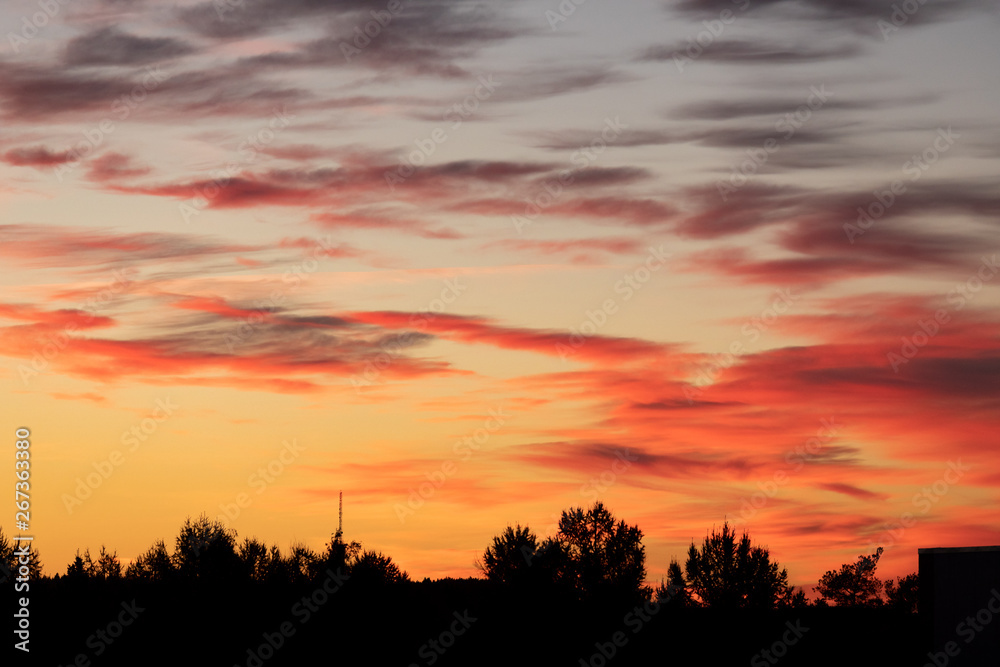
855 584
795 599
730 573
7 558
584 582
340 554
601 557
206 549
261 563
508 559
107 566
592 556
903 593
303 563
375 569
675 589
153 565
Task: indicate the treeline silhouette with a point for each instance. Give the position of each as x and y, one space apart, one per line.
578 597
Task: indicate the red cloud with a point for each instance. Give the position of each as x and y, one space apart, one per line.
114 167
54 319
853 491
593 348
37 156
581 250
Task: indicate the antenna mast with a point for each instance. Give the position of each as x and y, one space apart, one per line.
340 526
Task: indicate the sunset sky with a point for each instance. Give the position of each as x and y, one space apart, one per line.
473 264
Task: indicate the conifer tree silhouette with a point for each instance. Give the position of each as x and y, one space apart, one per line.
727 573
854 585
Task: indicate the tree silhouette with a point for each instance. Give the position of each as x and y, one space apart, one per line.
574 586
509 559
261 563
280 568
206 549
794 599
303 563
675 590
153 565
591 556
854 585
730 574
81 566
107 566
339 554
258 561
7 559
10 561
902 594
601 557
376 569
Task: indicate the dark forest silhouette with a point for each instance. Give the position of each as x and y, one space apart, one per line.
580 595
